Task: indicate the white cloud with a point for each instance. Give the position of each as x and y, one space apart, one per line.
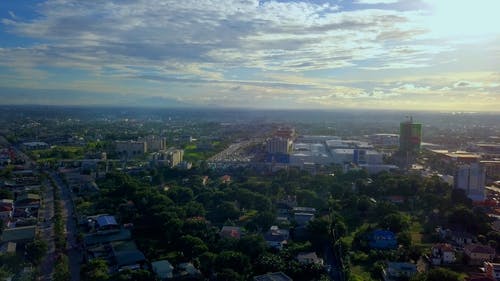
376 1
12 15
189 47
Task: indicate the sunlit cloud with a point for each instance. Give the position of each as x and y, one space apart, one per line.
292 54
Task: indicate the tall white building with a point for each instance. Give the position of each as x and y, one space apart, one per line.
278 145
471 178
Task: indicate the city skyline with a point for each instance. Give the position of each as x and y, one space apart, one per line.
363 54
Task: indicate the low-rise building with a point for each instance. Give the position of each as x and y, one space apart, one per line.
130 149
230 232
398 270
382 239
21 234
163 269
478 254
302 219
492 270
459 237
442 254
309 258
276 237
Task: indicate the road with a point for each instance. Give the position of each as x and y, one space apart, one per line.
46 231
330 261
72 251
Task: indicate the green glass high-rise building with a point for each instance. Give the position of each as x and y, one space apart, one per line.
410 137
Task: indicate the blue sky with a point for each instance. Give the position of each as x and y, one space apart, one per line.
382 54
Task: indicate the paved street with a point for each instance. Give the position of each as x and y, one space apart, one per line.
46 230
73 252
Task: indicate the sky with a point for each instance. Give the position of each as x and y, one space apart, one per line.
305 54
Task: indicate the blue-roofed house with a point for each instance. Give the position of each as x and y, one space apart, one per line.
106 222
382 239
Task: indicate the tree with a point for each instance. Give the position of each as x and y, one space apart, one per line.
36 250
207 261
180 195
226 211
61 270
404 238
136 275
232 260
438 274
228 274
395 222
261 221
252 245
95 270
192 246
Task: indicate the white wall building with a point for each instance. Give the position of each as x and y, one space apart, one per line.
471 178
130 148
278 145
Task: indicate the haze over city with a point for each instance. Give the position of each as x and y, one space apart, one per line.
362 54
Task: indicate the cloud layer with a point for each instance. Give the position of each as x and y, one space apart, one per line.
269 53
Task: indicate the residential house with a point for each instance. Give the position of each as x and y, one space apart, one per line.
309 258
5 213
225 179
442 254
382 239
398 270
496 225
276 237
28 200
492 270
104 238
106 223
230 232
479 278
187 271
163 269
302 219
128 259
22 234
304 210
460 238
478 254
8 203
275 276
8 248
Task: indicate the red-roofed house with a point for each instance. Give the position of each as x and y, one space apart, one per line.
477 253
492 270
226 179
232 232
442 254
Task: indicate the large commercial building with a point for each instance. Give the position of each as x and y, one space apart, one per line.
410 137
471 178
384 140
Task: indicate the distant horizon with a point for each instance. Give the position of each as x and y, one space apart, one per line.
405 112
